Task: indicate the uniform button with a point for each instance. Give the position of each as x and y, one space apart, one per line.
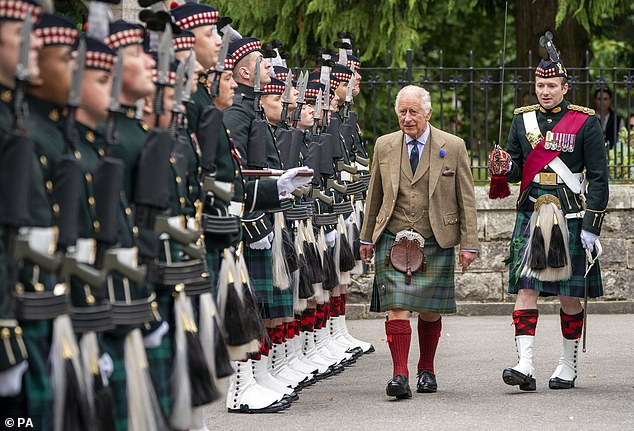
135 231
77 155
172 160
55 208
128 211
101 152
549 120
88 177
43 160
91 201
178 180
96 225
49 186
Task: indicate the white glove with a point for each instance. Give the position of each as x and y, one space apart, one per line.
262 244
289 181
331 238
588 239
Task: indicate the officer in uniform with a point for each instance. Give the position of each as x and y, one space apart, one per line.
559 218
13 353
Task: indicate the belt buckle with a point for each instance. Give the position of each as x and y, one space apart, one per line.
547 178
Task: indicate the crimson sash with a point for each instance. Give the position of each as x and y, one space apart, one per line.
540 156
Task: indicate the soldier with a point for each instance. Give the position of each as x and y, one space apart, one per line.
48 96
13 352
558 221
201 20
241 119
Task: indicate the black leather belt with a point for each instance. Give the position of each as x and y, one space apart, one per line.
215 224
96 318
171 274
324 219
135 312
297 213
345 208
40 305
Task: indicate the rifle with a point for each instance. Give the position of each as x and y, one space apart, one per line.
302 83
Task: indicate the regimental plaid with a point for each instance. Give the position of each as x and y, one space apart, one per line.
575 285
16 10
99 60
37 384
198 20
113 345
273 89
243 50
432 290
57 35
260 267
184 43
161 358
130 36
281 303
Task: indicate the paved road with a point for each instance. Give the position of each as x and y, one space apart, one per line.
472 353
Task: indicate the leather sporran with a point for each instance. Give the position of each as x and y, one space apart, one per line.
407 254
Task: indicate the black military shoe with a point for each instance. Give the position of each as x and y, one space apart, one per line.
513 377
558 383
398 387
426 382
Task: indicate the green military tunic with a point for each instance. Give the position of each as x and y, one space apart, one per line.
10 333
44 126
238 117
200 100
589 155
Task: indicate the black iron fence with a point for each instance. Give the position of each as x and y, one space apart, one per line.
466 102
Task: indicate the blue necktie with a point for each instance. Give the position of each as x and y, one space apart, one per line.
414 156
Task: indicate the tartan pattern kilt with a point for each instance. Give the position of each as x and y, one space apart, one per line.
213 267
281 304
260 266
37 386
432 290
113 344
161 358
575 285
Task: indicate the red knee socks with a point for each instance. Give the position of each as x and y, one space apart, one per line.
399 336
428 336
571 325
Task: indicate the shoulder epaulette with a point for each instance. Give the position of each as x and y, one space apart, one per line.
580 108
527 108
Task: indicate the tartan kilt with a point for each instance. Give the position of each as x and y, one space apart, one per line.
575 285
213 267
431 291
281 304
114 346
37 386
161 358
260 266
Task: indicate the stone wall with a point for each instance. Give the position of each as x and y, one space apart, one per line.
127 10
483 288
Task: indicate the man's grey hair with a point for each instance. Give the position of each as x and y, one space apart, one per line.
415 90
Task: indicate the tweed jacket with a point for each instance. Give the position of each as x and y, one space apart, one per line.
452 212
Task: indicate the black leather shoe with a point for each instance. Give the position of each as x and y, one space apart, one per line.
558 383
398 387
513 377
426 382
